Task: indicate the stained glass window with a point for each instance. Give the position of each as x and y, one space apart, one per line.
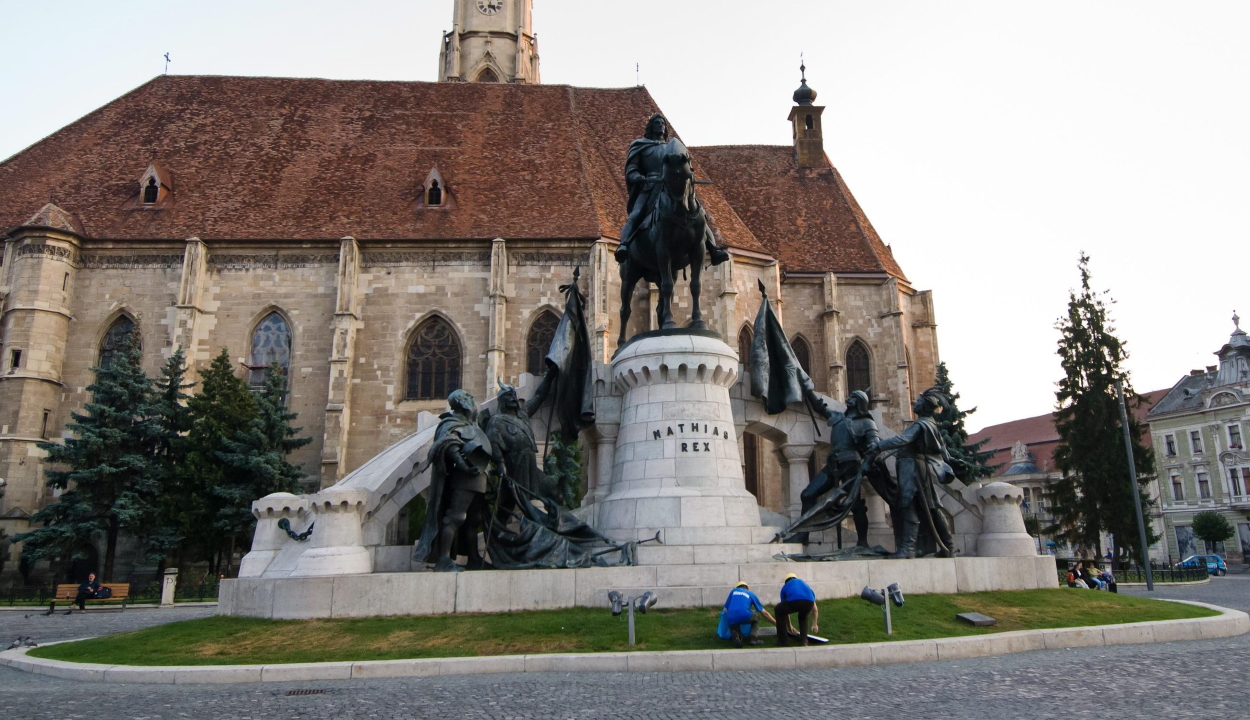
803 353
114 338
433 361
539 340
858 372
744 347
271 343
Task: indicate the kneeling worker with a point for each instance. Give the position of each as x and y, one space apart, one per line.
796 597
740 609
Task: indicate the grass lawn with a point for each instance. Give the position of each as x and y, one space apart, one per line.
232 640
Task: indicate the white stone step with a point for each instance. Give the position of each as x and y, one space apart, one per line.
713 554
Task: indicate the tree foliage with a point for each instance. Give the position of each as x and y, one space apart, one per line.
106 471
563 465
1094 495
1212 527
968 461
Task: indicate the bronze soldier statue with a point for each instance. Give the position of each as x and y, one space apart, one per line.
460 457
922 460
643 166
512 438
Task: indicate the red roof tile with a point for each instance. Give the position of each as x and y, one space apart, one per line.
806 217
289 158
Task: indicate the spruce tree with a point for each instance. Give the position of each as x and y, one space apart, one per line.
106 471
223 406
968 461
563 465
254 459
1094 495
172 422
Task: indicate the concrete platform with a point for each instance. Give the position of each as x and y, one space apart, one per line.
688 585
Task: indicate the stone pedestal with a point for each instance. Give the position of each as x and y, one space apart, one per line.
337 543
169 584
269 539
1002 529
675 467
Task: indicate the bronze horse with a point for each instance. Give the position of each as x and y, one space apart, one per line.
670 240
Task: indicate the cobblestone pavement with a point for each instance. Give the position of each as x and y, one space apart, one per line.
102 621
1171 680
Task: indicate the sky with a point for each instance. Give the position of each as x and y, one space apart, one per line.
990 143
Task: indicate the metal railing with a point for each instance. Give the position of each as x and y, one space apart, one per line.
1161 575
145 591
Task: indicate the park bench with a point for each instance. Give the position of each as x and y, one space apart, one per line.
66 594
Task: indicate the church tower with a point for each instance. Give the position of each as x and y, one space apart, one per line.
490 41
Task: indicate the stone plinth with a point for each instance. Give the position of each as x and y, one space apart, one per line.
269 539
337 543
676 464
1002 529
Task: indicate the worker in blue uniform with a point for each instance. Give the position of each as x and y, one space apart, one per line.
797 598
740 609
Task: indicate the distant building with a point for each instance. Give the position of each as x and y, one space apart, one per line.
1199 431
1024 450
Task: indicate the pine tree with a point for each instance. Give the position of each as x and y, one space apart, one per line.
223 406
969 463
172 422
110 482
254 459
1093 495
563 465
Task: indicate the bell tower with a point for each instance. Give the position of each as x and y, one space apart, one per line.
490 41
809 142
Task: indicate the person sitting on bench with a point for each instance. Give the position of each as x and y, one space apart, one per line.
86 591
796 597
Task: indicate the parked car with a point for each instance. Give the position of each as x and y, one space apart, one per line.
1213 563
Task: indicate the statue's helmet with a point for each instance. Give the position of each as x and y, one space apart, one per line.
858 401
652 134
932 402
461 401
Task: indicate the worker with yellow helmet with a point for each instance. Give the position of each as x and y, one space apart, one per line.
797 598
740 609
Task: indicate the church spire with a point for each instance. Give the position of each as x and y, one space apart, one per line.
809 143
490 41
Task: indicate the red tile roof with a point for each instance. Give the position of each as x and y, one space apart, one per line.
1040 437
303 159
806 217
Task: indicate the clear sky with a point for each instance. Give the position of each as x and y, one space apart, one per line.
989 142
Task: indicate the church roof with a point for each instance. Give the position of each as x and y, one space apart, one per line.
806 217
306 159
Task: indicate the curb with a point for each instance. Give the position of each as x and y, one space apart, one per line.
1229 623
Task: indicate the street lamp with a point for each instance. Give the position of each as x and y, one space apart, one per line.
619 602
878 597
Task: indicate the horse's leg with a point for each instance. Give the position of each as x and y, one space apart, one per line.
696 274
664 310
629 278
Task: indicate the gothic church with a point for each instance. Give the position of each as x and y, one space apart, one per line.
388 242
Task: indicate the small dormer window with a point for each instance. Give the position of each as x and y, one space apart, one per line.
434 192
151 191
434 196
154 186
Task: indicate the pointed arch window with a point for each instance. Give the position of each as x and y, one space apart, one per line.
433 361
542 332
116 336
858 368
271 343
434 196
744 347
487 76
802 353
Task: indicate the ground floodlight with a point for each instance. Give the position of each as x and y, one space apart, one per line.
896 594
872 596
614 597
646 600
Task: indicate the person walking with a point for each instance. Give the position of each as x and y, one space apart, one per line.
740 609
798 598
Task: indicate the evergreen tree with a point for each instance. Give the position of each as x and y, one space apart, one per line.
1093 495
969 463
563 465
110 482
172 422
254 459
223 407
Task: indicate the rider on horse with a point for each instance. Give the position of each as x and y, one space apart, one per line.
643 165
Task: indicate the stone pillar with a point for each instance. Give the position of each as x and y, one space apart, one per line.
495 354
796 457
337 545
190 305
676 465
342 354
879 530
269 539
605 461
728 301
602 266
835 385
169 584
1002 524
39 280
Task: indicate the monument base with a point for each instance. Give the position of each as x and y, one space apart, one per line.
676 586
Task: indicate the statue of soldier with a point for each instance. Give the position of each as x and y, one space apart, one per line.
459 458
850 435
643 165
922 460
513 440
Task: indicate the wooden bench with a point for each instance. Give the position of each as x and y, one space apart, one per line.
68 592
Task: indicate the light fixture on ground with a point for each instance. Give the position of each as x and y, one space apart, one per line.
619 603
878 597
